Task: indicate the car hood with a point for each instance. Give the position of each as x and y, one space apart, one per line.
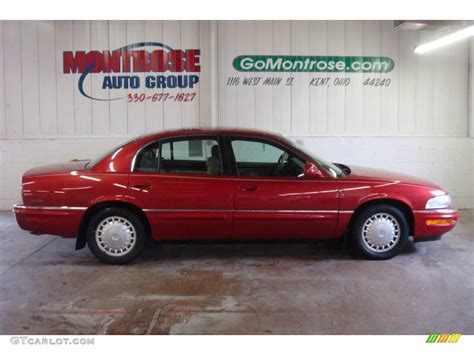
62 168
359 173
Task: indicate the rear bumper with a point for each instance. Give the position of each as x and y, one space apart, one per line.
63 221
434 223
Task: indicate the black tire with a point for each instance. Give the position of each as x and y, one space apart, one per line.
123 215
363 246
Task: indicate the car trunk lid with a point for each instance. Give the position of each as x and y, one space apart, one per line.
61 168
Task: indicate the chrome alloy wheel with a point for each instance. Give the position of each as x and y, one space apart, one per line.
115 236
381 232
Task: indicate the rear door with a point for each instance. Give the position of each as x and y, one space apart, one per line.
273 199
183 186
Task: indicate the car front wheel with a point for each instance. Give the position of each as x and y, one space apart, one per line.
380 232
116 235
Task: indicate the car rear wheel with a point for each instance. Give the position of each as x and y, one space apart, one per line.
380 232
116 235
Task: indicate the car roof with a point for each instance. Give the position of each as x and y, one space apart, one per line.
211 131
128 151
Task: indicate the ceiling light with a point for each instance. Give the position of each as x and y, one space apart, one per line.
445 40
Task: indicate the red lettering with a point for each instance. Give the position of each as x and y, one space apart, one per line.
175 62
141 61
73 63
126 61
158 61
138 61
94 58
111 61
192 60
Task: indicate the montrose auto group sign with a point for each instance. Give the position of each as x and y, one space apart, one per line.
166 69
155 71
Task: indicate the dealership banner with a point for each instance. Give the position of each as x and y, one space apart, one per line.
168 71
294 64
274 63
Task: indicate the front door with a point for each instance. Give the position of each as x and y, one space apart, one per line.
181 186
273 199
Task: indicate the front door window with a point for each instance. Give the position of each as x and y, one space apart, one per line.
262 158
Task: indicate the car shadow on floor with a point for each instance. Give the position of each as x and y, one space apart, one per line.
316 251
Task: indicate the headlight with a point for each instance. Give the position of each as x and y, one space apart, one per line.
438 202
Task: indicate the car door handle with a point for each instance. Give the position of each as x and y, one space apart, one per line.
249 188
141 185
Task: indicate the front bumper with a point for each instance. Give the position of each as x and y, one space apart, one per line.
63 221
429 223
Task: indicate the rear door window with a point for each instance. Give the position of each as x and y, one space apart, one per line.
191 156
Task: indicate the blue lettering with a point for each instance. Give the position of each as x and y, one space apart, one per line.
121 82
171 81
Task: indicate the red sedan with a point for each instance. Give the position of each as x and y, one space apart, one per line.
223 185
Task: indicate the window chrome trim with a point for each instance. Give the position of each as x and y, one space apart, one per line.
241 211
183 210
68 208
287 211
74 208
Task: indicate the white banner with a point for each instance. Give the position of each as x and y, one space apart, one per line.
232 345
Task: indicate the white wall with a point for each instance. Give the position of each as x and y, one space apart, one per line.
428 95
445 161
423 116
471 90
41 101
43 117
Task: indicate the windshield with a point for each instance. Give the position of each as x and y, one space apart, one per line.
93 162
329 167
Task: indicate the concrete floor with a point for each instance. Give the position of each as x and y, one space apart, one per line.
48 288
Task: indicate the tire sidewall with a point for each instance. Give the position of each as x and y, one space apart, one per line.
130 216
357 239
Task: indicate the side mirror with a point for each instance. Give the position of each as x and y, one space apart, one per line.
311 170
